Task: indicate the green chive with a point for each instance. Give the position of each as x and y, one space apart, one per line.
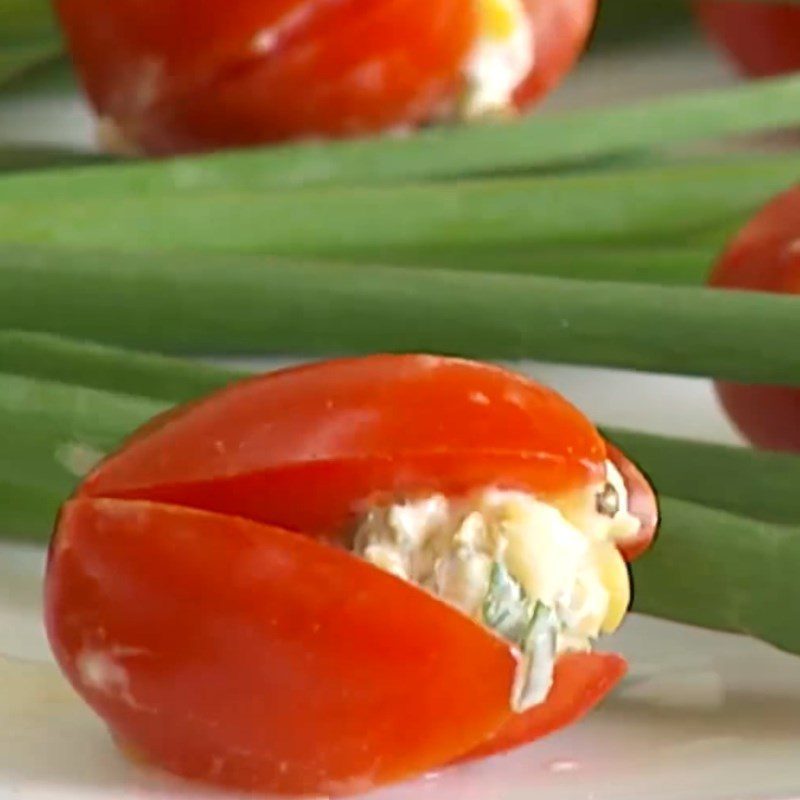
92 366
28 513
26 21
506 607
624 23
649 204
49 430
16 62
535 141
28 39
18 158
668 264
185 303
751 483
724 572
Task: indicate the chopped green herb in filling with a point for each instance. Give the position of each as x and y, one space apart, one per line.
545 576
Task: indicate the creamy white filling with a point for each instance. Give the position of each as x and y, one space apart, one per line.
544 575
580 508
498 64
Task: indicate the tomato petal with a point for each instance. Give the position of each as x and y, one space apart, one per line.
403 417
581 680
561 29
230 651
642 504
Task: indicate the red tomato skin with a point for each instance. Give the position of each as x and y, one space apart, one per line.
762 38
193 78
223 647
642 504
353 429
250 656
561 29
189 77
764 256
767 416
580 681
240 654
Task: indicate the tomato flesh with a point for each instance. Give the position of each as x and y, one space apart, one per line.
762 38
179 76
765 257
200 598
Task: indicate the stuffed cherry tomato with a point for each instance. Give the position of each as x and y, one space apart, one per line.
765 256
178 76
763 38
336 576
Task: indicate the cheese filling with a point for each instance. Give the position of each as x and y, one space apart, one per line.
501 57
546 576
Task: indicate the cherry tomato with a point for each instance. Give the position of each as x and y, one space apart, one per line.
762 38
179 76
765 256
200 601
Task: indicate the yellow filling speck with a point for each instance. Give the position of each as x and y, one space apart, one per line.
496 19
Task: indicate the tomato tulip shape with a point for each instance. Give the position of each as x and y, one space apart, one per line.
203 597
176 75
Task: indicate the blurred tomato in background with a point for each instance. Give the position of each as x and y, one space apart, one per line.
762 38
765 256
178 76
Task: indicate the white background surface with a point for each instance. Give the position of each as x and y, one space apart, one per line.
702 716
